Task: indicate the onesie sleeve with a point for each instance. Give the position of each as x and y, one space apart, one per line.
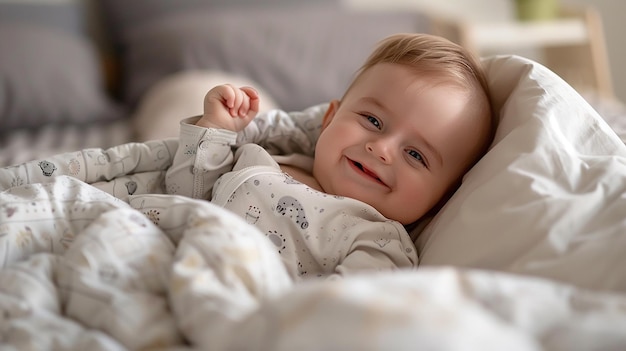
282 133
378 247
203 155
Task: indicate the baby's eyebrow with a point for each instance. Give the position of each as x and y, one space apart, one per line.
374 101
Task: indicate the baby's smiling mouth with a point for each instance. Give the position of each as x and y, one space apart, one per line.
367 172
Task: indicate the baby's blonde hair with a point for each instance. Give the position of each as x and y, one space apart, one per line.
439 58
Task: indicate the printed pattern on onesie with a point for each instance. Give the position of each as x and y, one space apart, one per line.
311 230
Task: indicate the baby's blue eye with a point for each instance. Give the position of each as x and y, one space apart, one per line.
416 155
373 121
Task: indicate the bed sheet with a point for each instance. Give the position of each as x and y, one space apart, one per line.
23 145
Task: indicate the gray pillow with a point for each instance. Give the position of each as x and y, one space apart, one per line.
66 16
301 55
124 15
49 76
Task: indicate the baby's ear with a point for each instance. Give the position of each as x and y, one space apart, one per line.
330 113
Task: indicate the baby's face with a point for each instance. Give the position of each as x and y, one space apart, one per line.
398 142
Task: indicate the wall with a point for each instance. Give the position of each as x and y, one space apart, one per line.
612 12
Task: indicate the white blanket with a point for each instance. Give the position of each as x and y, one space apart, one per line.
105 277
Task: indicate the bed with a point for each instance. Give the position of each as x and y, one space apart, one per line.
528 254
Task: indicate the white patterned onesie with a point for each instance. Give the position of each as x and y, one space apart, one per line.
316 234
44 203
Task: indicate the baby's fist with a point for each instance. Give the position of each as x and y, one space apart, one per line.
228 107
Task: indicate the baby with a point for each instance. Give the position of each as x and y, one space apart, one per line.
392 149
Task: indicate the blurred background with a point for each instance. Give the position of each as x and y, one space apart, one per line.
495 12
97 73
489 15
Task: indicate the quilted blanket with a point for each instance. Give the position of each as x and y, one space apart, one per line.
95 256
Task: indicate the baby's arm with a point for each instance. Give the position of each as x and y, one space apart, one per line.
279 132
205 144
282 133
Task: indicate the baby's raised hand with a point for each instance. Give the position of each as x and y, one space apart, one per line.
228 107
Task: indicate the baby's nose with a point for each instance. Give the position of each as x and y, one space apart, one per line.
379 149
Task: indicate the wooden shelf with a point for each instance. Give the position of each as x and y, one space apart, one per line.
498 36
573 45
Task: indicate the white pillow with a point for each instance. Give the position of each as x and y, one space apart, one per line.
181 95
549 198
